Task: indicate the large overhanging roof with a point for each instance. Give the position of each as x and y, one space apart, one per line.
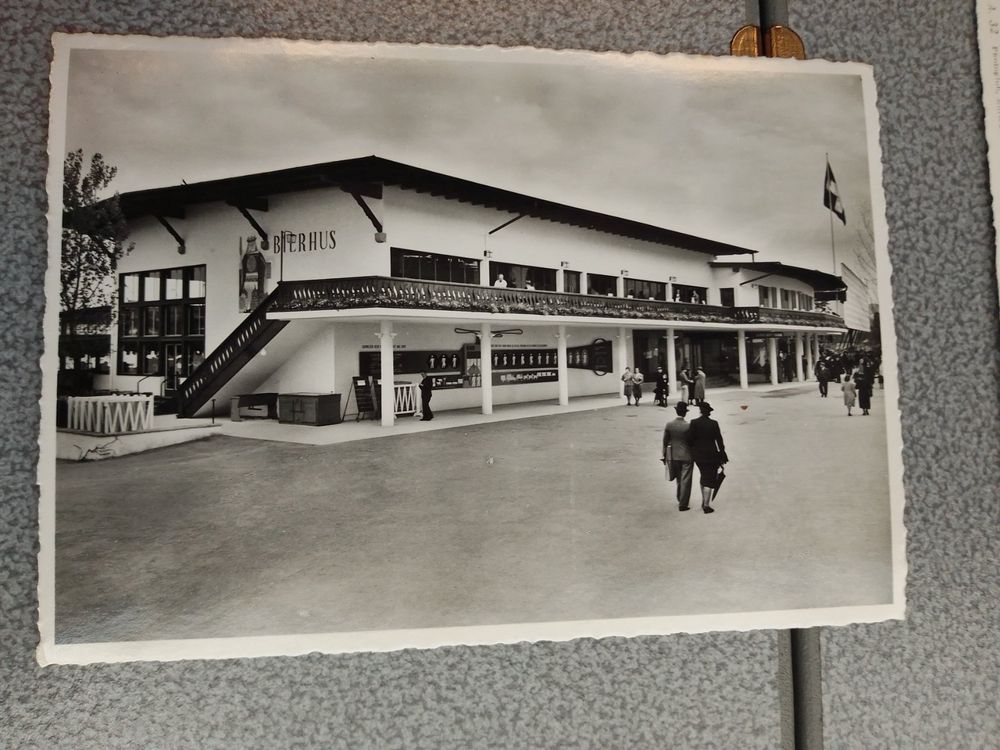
818 280
368 174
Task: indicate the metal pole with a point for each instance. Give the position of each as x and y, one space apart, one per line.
833 246
773 13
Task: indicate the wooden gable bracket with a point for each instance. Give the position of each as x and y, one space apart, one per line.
244 206
181 245
359 198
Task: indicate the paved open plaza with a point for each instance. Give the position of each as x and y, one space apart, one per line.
546 518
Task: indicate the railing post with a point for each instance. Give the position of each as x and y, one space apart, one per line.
671 363
561 366
798 357
621 357
486 366
387 393
772 358
741 346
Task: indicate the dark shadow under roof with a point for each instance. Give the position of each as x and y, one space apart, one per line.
368 174
818 280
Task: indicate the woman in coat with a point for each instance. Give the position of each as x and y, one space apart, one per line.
864 388
629 380
687 385
708 452
850 393
699 385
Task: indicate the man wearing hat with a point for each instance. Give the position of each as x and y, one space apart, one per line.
704 439
676 455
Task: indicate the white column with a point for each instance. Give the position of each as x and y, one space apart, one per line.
772 358
562 366
671 363
484 272
486 366
620 286
741 345
809 357
815 347
560 280
798 357
584 283
386 394
621 358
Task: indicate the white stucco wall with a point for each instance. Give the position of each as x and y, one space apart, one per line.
213 231
416 221
748 294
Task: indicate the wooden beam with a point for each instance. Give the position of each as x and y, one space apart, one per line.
254 203
368 212
181 245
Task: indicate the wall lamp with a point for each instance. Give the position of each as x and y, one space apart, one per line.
625 272
672 279
564 264
487 253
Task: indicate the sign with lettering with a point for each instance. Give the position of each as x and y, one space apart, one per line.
519 377
365 397
304 242
595 356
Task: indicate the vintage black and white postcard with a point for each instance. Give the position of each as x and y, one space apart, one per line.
364 347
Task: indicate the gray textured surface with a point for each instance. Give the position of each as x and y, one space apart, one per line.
931 682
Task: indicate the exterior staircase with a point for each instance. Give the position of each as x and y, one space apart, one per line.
219 367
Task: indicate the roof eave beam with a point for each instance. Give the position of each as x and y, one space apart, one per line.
756 278
181 245
257 204
359 199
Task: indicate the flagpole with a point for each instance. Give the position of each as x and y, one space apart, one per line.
833 245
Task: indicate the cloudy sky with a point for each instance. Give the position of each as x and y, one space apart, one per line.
707 148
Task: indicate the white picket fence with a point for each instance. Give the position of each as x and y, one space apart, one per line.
110 415
404 398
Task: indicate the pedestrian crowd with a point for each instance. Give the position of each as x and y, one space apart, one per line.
856 371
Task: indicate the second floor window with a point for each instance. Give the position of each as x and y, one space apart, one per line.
411 264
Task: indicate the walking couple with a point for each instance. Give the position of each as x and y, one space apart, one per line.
698 442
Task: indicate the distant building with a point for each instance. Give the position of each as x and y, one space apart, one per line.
310 278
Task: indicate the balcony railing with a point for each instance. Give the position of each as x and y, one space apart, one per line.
410 294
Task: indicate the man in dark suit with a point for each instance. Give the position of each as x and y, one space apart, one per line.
704 440
677 456
426 387
661 390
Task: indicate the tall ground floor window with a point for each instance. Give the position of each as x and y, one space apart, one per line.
161 323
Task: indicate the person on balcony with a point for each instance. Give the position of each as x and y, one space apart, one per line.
528 285
426 390
501 282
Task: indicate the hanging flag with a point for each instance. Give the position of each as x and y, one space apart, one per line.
831 195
